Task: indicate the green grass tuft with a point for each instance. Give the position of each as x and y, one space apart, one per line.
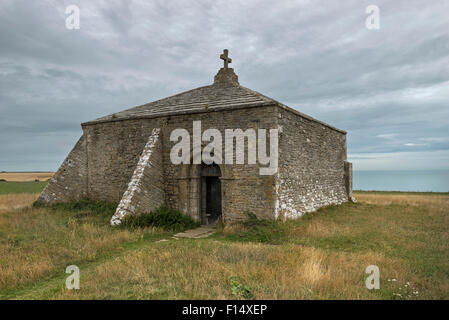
162 217
88 206
260 230
240 290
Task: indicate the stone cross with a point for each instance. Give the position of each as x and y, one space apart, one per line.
224 57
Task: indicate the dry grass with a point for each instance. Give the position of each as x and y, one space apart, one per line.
10 202
187 270
438 200
26 176
321 256
38 243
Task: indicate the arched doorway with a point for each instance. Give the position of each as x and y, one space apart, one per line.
210 193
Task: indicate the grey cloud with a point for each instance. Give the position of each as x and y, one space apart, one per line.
315 56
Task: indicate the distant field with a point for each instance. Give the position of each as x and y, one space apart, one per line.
25 176
428 193
21 187
23 182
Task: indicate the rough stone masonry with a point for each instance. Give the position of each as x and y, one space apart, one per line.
125 158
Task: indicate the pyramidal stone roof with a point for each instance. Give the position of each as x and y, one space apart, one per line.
226 93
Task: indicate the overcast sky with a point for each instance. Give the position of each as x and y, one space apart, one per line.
388 88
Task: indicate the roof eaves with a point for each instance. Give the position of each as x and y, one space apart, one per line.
177 113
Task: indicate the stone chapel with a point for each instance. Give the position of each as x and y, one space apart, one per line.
126 157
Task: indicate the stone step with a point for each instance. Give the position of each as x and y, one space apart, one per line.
200 232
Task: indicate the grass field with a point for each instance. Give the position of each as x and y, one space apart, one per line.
320 256
21 187
25 176
17 195
23 183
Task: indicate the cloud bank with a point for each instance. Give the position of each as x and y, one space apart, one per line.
389 88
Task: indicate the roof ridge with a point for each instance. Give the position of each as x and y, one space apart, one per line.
155 102
215 97
166 98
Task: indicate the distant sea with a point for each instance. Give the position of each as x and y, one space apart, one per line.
402 180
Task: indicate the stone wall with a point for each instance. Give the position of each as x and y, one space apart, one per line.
348 179
113 151
70 181
312 170
145 190
311 165
114 148
243 188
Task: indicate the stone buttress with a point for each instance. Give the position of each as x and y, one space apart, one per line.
145 190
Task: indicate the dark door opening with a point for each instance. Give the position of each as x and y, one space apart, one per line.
213 199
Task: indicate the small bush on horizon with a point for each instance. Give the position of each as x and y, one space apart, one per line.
163 217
